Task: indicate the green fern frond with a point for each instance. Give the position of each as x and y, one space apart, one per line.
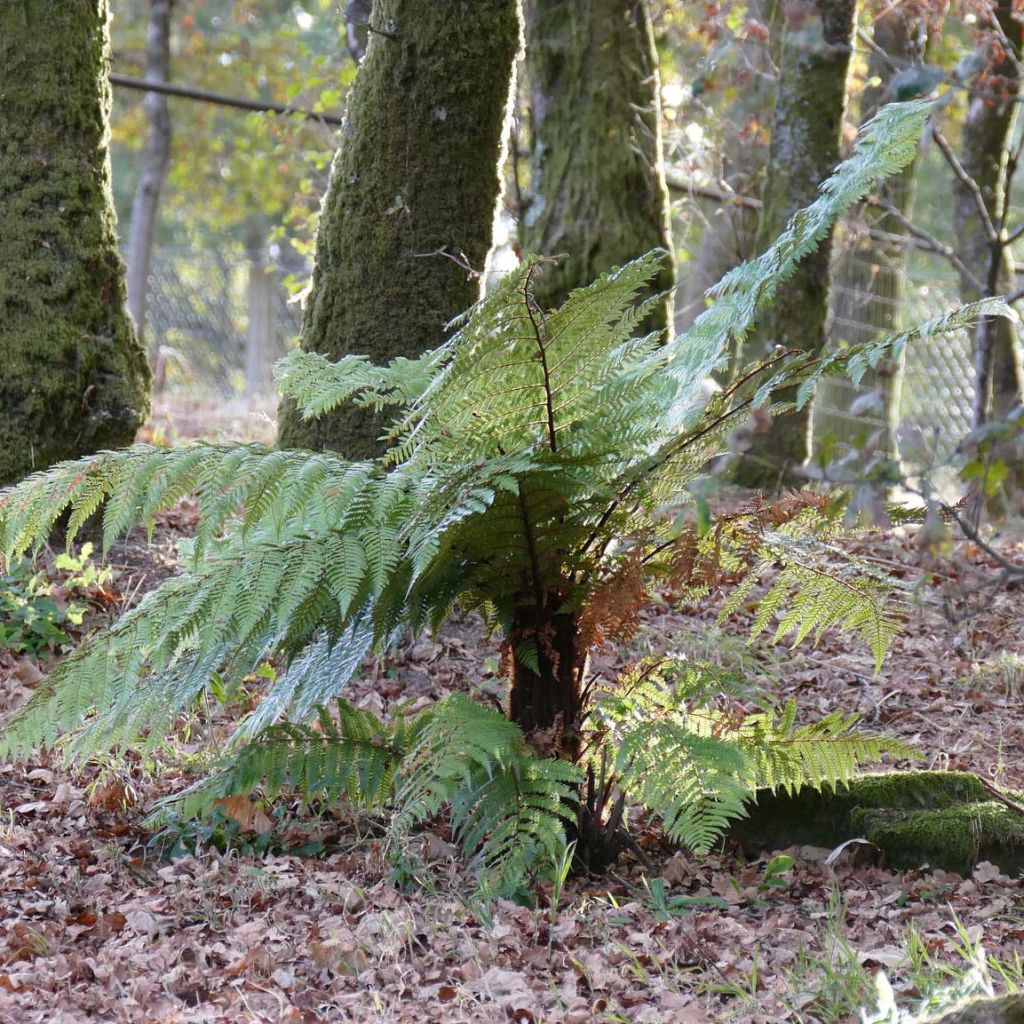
828 752
884 147
318 385
697 765
353 758
508 806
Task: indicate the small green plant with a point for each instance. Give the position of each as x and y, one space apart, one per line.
34 617
665 906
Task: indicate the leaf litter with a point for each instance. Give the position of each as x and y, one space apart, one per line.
96 926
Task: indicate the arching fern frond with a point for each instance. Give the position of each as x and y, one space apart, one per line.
508 807
696 759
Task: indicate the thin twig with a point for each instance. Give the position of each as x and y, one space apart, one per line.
458 259
967 181
1000 795
939 248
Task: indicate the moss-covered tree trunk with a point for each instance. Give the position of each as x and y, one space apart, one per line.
987 132
804 149
73 378
948 820
870 277
597 171
406 225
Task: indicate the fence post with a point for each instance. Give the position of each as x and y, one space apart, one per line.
260 342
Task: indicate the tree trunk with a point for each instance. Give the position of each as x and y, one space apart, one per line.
74 377
869 281
260 339
406 225
598 175
948 820
804 150
987 133
730 230
156 161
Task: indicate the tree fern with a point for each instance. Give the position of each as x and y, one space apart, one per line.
531 459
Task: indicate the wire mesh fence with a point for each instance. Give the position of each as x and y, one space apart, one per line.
218 320
933 389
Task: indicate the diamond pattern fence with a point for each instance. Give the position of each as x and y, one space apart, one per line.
201 308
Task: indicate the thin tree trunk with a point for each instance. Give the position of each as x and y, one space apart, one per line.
156 161
598 176
730 230
73 377
406 226
260 339
870 277
804 150
986 137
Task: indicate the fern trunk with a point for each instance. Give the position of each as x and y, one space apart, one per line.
546 690
987 132
411 202
73 377
597 178
804 149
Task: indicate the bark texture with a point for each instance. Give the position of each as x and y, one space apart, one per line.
73 378
804 150
986 137
597 172
156 161
546 693
412 197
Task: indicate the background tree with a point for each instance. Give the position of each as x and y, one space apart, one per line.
74 376
805 141
597 171
156 160
872 269
736 87
982 178
406 225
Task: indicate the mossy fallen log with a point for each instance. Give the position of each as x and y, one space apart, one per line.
948 820
1005 1010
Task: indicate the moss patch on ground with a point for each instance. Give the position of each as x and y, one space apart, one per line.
947 820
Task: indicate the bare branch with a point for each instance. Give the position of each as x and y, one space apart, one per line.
967 181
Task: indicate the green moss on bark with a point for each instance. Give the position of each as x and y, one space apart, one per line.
947 820
412 196
597 174
987 133
73 378
804 150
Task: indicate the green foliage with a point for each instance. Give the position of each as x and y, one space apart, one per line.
531 460
35 614
508 807
696 764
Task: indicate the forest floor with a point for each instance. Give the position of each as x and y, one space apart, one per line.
96 924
